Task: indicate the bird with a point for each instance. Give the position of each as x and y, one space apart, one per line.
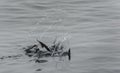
56 50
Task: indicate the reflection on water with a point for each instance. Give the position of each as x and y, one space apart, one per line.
93 25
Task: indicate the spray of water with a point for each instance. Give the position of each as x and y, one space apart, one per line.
63 39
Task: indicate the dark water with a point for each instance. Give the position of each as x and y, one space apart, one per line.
92 25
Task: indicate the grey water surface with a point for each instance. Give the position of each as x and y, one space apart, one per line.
93 28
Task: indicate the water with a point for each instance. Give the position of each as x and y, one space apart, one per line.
92 25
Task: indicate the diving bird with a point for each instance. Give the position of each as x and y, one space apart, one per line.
56 50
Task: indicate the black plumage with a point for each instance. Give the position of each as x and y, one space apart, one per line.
44 46
69 54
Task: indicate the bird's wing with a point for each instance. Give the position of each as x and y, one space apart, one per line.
44 46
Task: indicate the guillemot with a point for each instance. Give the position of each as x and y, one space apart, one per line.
55 50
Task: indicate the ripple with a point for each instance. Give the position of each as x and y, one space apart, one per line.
104 71
36 6
38 69
86 1
103 59
41 61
